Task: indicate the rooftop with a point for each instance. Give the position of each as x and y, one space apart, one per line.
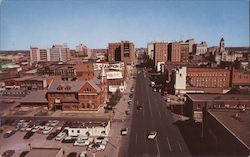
101 123
237 125
219 97
35 97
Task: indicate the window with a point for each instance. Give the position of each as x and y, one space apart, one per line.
93 97
78 131
93 105
88 105
198 106
83 106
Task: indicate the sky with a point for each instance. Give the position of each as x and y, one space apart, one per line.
95 23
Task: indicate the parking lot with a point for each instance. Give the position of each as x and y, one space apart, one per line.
20 136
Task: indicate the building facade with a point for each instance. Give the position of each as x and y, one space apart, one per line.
174 52
38 55
77 96
240 78
160 52
123 51
196 102
208 77
58 53
201 48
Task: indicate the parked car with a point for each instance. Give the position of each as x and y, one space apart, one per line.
28 135
52 135
124 131
72 154
8 153
47 130
83 154
100 146
100 139
68 140
23 154
60 136
81 143
152 135
9 133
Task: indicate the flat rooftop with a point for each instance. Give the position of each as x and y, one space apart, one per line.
238 126
35 97
43 152
101 123
219 97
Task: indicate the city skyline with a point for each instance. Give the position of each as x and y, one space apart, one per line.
43 23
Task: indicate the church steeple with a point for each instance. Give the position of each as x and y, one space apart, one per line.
102 75
222 45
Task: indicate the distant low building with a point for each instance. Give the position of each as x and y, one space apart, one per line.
196 102
201 48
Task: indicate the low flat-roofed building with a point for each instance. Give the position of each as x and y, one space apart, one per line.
195 103
93 128
227 132
45 152
35 98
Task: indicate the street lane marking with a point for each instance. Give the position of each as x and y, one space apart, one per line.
158 150
180 146
159 113
136 139
169 146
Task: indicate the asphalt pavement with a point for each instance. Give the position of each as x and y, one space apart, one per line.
154 116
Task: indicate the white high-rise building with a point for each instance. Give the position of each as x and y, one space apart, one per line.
58 53
37 54
151 50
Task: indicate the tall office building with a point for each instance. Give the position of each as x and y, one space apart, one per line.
174 52
123 51
160 52
58 53
37 55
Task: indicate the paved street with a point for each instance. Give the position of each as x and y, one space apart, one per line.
153 117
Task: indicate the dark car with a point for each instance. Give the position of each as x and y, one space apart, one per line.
72 154
53 135
68 140
131 95
8 153
9 133
139 107
23 154
28 135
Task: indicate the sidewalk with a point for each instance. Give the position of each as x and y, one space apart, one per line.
119 121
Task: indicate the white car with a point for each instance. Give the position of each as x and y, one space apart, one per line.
28 129
124 131
100 139
152 135
47 130
100 147
81 143
83 154
60 136
35 129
